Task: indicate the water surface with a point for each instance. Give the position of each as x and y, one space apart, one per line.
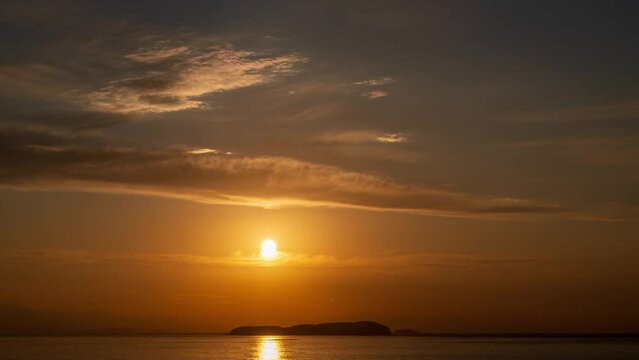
312 347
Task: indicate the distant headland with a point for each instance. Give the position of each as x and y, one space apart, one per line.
360 328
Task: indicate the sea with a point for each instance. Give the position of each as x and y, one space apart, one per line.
313 348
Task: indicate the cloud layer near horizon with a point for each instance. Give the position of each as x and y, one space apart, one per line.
36 158
291 260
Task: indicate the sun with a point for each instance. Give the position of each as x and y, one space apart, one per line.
269 249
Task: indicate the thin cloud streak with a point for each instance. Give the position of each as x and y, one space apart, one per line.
375 94
284 259
360 137
392 138
376 82
156 55
202 151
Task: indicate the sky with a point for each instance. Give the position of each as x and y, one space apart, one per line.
458 166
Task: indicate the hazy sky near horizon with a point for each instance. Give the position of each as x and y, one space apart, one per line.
449 166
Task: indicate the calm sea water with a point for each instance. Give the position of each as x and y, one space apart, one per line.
311 347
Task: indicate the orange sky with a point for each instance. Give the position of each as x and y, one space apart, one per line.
177 266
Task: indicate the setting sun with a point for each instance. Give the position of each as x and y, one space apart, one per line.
269 249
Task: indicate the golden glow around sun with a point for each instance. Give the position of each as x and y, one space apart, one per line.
269 249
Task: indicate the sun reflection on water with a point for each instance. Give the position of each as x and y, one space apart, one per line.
269 349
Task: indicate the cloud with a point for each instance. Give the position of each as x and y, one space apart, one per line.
348 137
376 82
375 94
360 137
38 159
202 151
157 55
284 259
175 79
366 144
392 138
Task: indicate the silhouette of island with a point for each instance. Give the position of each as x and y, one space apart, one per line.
365 328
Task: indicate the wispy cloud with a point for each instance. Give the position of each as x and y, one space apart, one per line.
376 82
370 144
174 79
348 137
202 151
150 56
361 137
284 259
222 179
375 94
392 138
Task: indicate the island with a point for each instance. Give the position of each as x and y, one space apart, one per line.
359 328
